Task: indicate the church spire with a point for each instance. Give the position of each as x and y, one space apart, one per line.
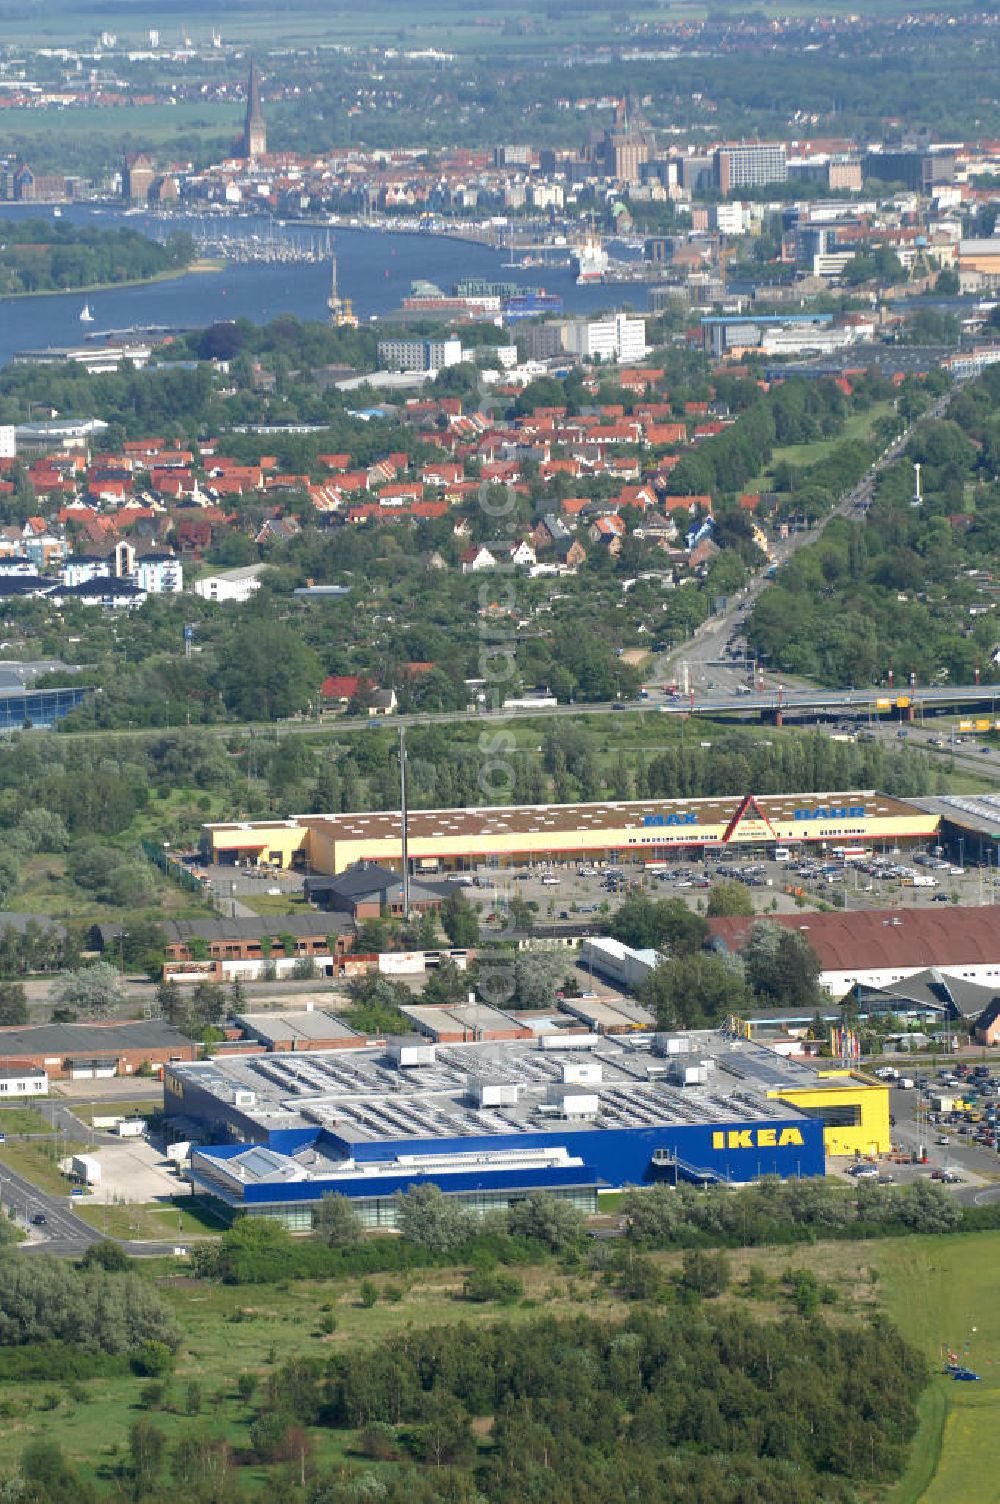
254 130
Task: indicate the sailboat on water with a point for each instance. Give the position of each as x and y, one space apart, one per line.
86 317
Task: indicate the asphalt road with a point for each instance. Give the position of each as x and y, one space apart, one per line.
705 653
63 1233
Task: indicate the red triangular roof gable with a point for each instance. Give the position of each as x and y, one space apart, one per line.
748 810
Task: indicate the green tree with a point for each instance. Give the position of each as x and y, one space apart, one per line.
46 1469
375 1004
538 975
704 1272
649 924
445 1433
446 984
336 1221
432 1220
729 899
547 1219
698 991
146 1444
13 1004
95 990
266 671
459 920
782 966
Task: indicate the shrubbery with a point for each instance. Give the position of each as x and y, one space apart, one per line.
785 1211
43 1300
436 1230
676 1404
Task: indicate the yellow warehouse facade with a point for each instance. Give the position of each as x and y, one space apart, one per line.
854 1109
648 829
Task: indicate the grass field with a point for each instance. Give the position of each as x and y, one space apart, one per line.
231 1331
939 1290
176 1219
942 1294
149 123
116 1107
22 1120
36 1159
856 429
266 903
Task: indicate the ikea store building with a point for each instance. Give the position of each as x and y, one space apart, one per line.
574 1114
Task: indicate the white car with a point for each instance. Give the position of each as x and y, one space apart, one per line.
549 881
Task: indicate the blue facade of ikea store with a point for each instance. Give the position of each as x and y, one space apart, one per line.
40 708
734 1152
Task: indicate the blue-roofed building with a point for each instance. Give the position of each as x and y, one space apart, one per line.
570 1112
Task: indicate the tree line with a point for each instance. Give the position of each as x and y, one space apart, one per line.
902 590
44 256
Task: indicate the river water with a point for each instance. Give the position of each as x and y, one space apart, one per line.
374 269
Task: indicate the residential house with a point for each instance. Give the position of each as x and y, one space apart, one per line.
703 528
230 586
703 553
643 498
79 568
573 506
159 574
570 552
402 493
23 586
382 702
442 473
661 435
520 553
477 558
325 498
760 538
549 531
609 532
341 689
656 527
278 530
11 543
689 505
193 535
112 593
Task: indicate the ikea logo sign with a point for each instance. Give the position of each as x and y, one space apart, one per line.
832 812
690 817
758 1138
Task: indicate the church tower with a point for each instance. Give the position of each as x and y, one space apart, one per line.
254 130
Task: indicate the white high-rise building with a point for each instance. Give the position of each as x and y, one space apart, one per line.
617 338
8 441
419 354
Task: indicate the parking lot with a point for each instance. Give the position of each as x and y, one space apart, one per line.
133 1172
576 891
955 1111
